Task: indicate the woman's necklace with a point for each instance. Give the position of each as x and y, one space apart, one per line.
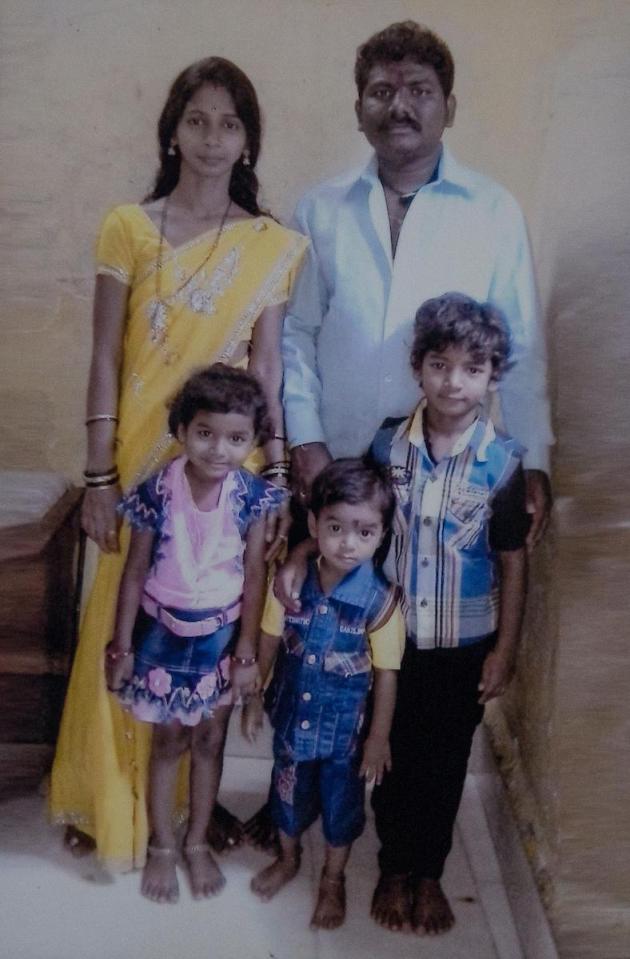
159 314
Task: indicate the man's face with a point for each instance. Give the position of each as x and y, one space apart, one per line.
403 111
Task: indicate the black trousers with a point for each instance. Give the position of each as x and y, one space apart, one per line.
434 722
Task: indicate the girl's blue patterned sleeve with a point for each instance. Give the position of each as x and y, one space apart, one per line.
259 498
142 506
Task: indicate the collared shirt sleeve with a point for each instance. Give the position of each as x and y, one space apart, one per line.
273 615
510 521
305 312
387 642
523 390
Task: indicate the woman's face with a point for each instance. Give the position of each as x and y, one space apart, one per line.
210 135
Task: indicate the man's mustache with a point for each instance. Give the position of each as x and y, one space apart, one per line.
392 124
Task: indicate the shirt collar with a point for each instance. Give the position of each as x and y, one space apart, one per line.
477 436
352 588
450 171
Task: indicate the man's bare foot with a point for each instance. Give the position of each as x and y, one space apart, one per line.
159 877
391 902
330 910
431 913
261 833
270 880
79 843
206 879
225 831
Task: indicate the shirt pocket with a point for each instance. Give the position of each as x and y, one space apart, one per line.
468 513
347 664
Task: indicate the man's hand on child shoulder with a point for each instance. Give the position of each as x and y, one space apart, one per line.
377 758
498 669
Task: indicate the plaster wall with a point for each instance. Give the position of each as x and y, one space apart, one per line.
543 107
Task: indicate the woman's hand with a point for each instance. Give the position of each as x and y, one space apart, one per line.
277 526
99 518
118 665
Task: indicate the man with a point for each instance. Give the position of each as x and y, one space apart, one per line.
412 225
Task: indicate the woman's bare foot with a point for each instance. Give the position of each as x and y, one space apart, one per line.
330 910
261 833
159 876
79 843
270 880
206 879
391 902
431 913
225 831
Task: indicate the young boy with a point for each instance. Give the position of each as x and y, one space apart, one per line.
348 632
458 554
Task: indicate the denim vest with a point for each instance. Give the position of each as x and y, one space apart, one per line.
323 672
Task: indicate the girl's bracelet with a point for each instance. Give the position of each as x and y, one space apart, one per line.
114 655
105 417
244 660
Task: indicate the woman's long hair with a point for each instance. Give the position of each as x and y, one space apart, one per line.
218 73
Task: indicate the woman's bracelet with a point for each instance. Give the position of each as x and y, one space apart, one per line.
102 482
100 474
279 436
105 417
244 660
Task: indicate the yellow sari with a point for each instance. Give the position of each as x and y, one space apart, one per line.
177 322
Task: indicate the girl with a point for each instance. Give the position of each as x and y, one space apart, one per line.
193 586
196 273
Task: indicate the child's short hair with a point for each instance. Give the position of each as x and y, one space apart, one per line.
221 389
455 319
353 481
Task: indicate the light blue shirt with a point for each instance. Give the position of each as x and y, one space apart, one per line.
348 330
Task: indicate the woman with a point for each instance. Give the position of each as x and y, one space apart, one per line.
194 275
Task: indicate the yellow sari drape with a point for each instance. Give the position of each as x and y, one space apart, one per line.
176 324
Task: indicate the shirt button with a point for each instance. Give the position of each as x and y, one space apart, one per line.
311 659
427 521
425 561
323 609
305 724
306 697
423 602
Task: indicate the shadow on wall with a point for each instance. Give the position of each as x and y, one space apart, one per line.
26 428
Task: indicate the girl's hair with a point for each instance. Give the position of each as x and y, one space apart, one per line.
221 389
455 319
353 481
218 73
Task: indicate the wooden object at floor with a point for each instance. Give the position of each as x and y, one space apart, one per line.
37 599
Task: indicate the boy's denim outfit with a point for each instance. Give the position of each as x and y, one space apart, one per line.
451 518
317 698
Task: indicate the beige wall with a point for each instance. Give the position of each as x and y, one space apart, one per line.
543 107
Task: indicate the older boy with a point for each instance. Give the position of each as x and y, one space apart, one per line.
458 552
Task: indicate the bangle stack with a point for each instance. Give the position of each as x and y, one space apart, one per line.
105 417
94 479
281 468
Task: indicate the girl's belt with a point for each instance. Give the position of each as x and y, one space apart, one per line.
186 628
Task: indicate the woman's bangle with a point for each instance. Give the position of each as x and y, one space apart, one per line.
244 660
105 417
100 474
279 436
102 483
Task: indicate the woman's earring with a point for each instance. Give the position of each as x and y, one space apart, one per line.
245 158
171 150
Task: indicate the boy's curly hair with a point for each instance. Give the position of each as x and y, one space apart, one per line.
455 319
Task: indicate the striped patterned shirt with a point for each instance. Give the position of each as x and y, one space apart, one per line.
451 519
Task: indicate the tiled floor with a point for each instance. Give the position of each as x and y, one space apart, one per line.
56 907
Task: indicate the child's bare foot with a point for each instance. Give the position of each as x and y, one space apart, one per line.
79 843
391 902
206 879
270 880
330 910
225 831
159 877
260 831
431 913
